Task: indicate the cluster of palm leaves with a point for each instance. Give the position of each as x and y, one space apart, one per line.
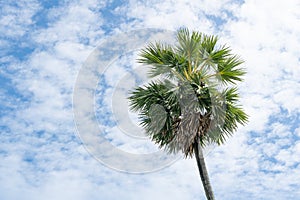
194 97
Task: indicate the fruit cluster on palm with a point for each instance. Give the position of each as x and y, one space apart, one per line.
193 101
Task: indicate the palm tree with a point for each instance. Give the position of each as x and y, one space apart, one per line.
192 100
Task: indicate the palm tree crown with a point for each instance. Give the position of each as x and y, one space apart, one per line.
195 99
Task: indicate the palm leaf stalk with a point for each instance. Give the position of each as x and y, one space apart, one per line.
195 100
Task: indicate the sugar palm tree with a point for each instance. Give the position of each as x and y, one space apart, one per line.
192 100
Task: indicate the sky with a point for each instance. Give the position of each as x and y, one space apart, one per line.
64 124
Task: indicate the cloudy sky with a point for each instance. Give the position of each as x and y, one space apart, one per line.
45 45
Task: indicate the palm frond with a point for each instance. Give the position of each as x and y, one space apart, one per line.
228 70
220 54
189 105
163 61
156 103
209 43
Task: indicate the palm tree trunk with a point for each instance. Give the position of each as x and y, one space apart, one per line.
203 171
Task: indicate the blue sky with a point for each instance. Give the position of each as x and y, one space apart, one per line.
45 44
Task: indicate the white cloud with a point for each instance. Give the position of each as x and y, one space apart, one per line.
264 33
16 18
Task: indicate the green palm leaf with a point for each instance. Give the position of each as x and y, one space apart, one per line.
189 107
